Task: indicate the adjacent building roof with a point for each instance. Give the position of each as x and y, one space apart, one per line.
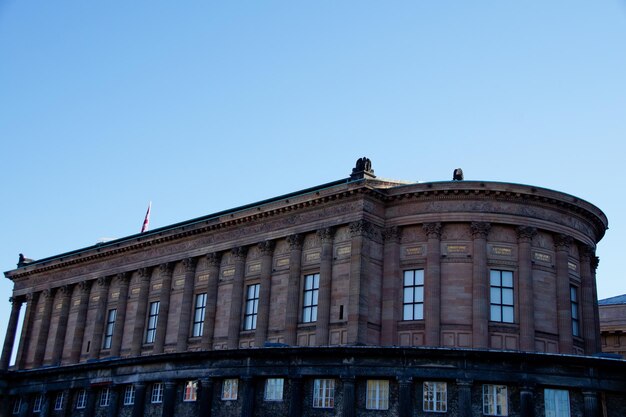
618 299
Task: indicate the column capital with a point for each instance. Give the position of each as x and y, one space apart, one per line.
84 286
326 234
404 380
214 258
190 264
526 233
480 230
295 241
587 252
30 297
433 230
562 242
16 301
145 273
360 228
392 234
66 290
595 261
239 253
468 383
123 277
166 268
266 247
103 281
48 293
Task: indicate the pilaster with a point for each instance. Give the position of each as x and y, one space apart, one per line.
214 261
122 304
84 289
142 305
392 284
432 284
9 339
165 271
44 329
525 236
234 319
360 268
564 311
59 337
98 326
293 289
25 336
326 236
187 304
480 286
265 290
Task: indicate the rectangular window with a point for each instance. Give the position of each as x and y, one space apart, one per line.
17 404
556 403
191 391
229 389
81 399
274 389
129 395
58 401
377 396
309 303
153 318
495 402
198 315
105 397
573 296
252 307
157 393
501 296
38 403
435 397
108 331
413 302
324 393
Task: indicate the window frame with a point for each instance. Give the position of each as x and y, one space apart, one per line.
156 396
574 299
38 403
324 393
153 321
58 401
17 405
416 306
310 297
438 396
129 394
81 399
105 397
550 401
501 306
109 328
274 389
492 398
190 391
199 312
377 394
251 309
230 389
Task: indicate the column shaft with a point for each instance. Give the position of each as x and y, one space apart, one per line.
214 260
59 337
587 301
187 305
591 404
432 284
295 402
527 403
114 403
293 290
140 317
405 394
480 286
169 399
81 320
234 319
247 406
526 289
140 400
265 291
44 329
9 339
101 309
465 398
564 311
358 295
166 271
29 316
392 284
205 397
120 318
324 294
349 397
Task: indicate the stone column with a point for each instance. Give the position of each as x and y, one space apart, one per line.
265 291
358 291
293 289
465 398
247 405
165 271
101 312
214 260
526 295
527 402
295 402
405 394
84 288
480 286
587 300
169 399
59 337
140 316
68 408
29 317
349 397
114 404
187 304
432 284
44 329
140 399
564 309
90 409
9 339
120 318
234 319
392 284
326 276
594 266
592 406
205 397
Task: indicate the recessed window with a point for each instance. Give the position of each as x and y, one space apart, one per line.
108 331
229 389
377 396
556 403
435 397
129 395
413 292
191 391
81 399
501 291
324 393
309 303
573 296
17 405
495 402
153 318
157 393
105 397
252 307
274 389
38 403
198 315
58 401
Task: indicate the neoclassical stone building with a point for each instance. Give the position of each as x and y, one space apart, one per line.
360 297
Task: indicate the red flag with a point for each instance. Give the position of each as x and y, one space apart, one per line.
146 221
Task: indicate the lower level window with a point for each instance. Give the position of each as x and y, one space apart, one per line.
435 396
17 405
58 401
37 405
105 397
81 400
377 397
157 393
191 391
495 401
129 395
274 389
324 393
229 389
556 403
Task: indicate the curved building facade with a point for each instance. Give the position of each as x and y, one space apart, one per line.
358 297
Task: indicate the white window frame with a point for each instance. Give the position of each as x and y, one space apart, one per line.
190 392
501 296
81 399
38 403
199 312
495 400
556 402
109 328
251 307
58 401
324 393
377 394
129 395
156 396
230 388
153 320
413 294
17 405
435 397
310 298
274 389
105 397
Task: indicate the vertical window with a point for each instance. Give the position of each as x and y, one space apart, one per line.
377 397
229 389
198 315
435 397
413 303
81 400
17 404
152 322
252 307
501 296
495 402
324 393
556 403
105 397
274 389
573 296
191 391
37 404
58 401
157 393
108 331
309 304
129 395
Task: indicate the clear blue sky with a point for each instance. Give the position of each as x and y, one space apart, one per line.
202 106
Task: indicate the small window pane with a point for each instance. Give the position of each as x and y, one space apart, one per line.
507 296
495 278
507 314
495 296
496 314
507 279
